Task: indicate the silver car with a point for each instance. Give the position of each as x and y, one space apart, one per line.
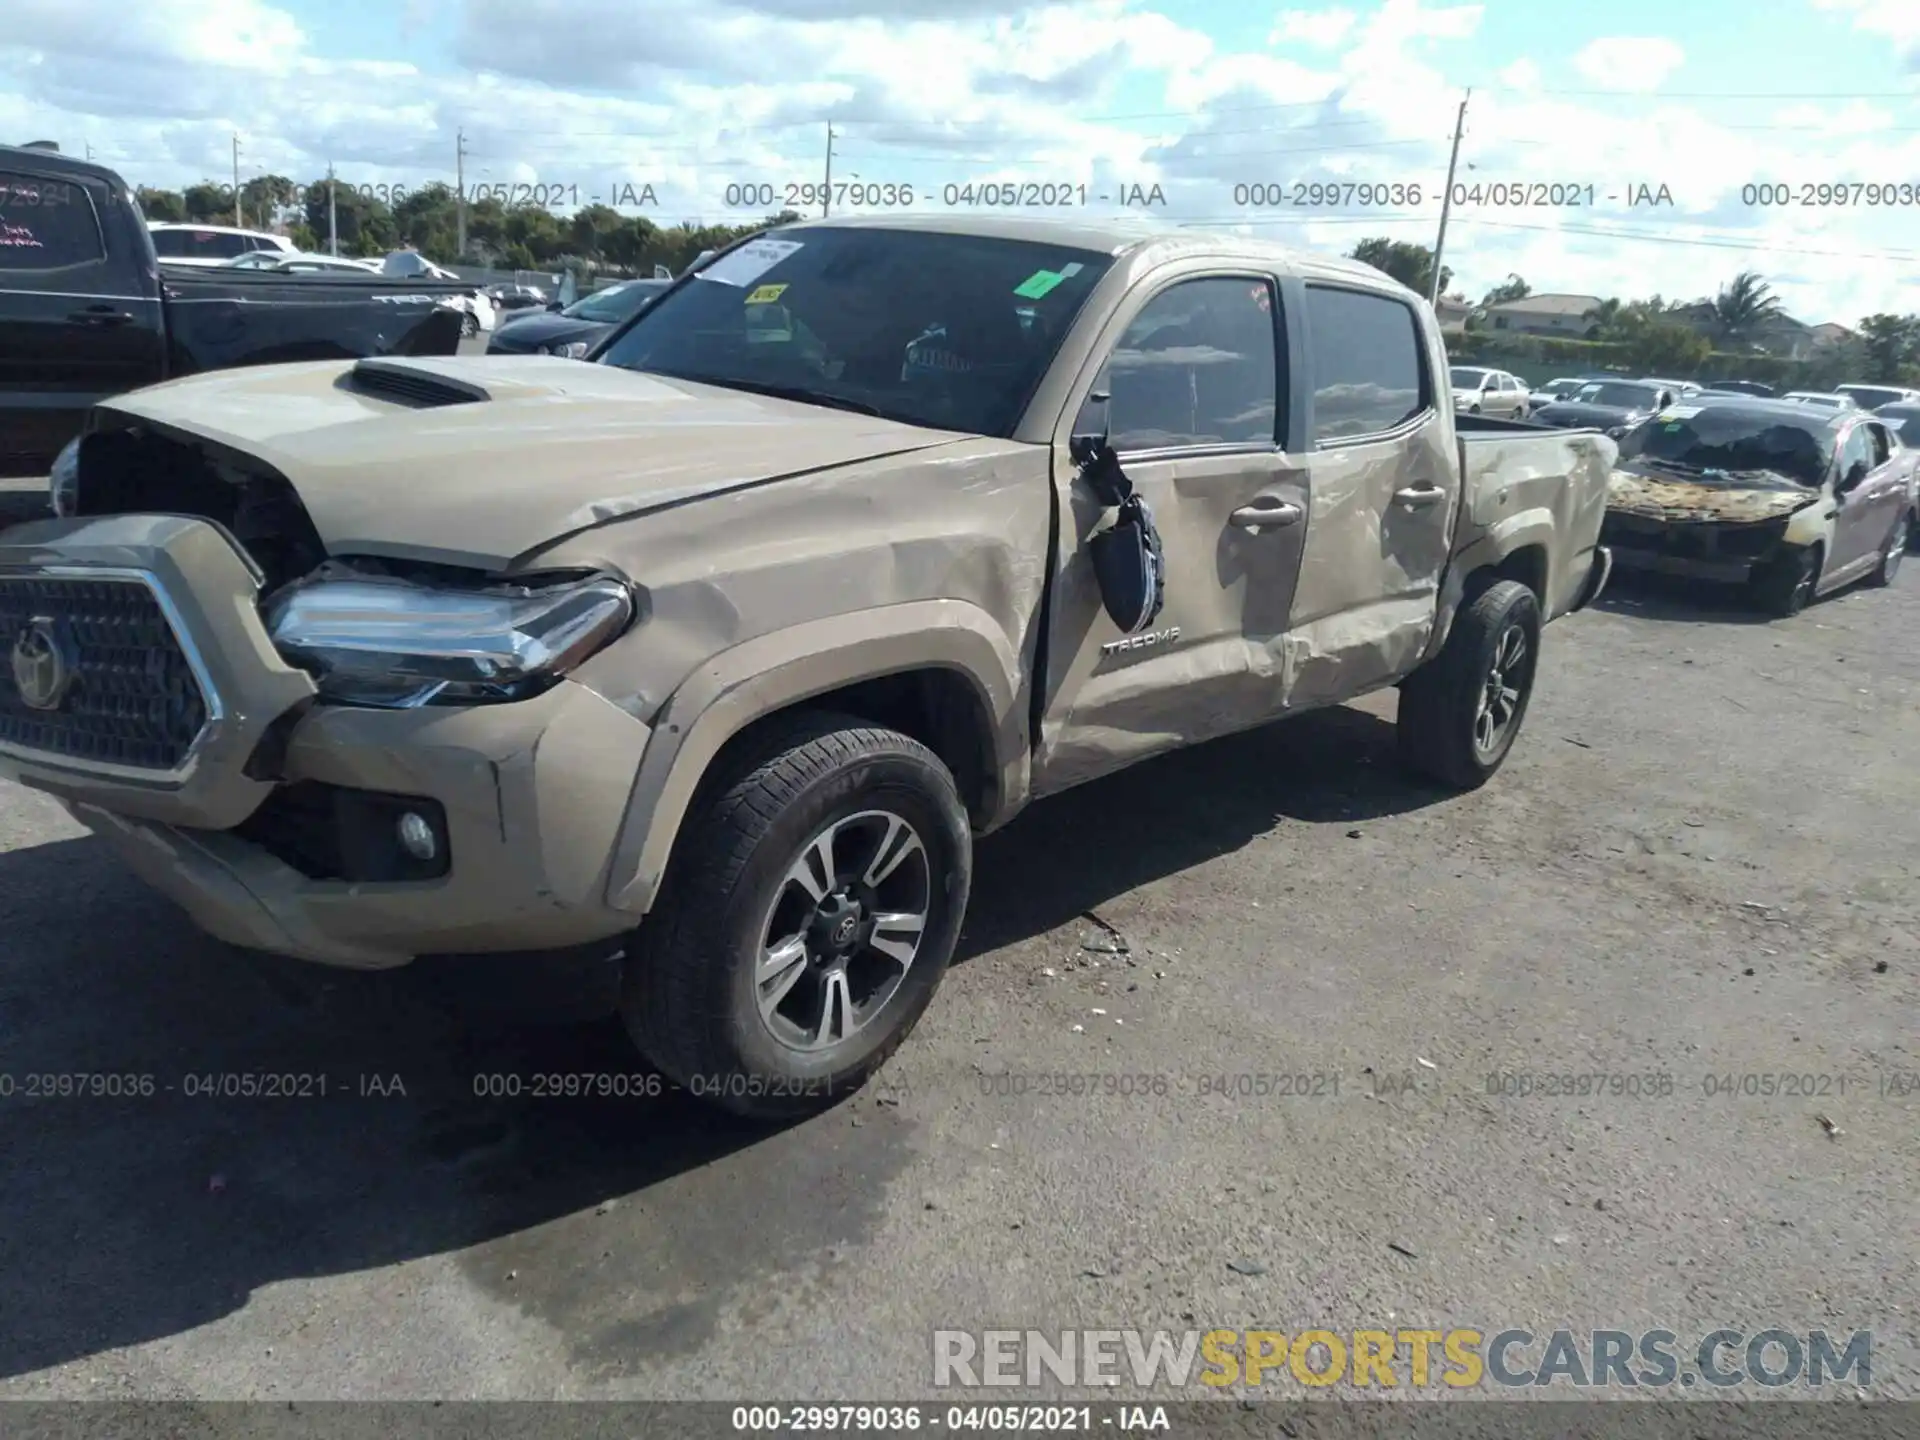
1479 391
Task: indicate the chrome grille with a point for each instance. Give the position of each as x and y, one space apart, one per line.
131 700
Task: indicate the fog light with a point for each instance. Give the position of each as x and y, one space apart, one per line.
417 837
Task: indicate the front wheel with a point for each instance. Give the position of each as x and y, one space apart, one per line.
469 324
1460 712
806 921
1895 551
1784 586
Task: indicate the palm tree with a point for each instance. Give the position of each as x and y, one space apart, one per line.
1744 308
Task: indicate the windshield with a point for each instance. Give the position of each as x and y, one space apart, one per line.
1465 379
1616 393
1721 446
916 325
1817 399
1905 423
616 302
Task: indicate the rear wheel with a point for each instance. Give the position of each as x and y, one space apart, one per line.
807 919
1784 586
1461 711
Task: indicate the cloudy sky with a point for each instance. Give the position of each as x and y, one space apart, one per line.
1203 98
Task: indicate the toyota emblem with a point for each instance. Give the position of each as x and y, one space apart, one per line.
42 670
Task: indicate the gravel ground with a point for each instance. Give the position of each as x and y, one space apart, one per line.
1697 862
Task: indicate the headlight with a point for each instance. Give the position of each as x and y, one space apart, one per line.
573 349
63 484
397 644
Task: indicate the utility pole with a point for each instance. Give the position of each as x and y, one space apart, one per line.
460 194
333 216
1446 200
89 149
237 221
826 194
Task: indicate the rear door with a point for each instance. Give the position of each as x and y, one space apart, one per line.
78 319
1383 473
1196 363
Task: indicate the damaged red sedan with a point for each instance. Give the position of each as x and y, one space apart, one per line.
1785 500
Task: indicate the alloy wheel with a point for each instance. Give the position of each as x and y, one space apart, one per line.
843 930
1500 696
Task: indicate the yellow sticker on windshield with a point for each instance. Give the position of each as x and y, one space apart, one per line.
766 294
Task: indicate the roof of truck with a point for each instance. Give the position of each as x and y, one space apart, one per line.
1116 235
26 155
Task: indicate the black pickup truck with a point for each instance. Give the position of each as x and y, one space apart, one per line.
87 309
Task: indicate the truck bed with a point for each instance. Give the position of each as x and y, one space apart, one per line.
1517 477
223 318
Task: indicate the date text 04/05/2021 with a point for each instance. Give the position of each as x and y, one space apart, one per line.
876 1419
970 194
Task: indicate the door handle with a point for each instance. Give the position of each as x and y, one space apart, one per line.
100 315
1419 497
1267 510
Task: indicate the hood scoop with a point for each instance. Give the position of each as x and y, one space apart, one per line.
406 384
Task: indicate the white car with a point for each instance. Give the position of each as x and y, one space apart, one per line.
1478 391
1828 400
475 306
210 245
1872 397
297 262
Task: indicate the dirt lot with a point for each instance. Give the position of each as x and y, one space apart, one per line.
1698 863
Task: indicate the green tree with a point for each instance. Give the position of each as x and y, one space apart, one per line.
1512 288
1745 306
164 205
1410 264
366 225
208 203
1890 346
265 197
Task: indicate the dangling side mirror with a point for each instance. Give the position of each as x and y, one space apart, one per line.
1087 446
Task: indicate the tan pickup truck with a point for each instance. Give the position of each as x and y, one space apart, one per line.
709 655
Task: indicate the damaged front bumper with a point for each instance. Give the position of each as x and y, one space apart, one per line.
1718 550
183 739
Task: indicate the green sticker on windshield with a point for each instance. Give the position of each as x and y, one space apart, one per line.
1037 284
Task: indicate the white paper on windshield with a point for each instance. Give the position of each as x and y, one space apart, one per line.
1680 412
747 264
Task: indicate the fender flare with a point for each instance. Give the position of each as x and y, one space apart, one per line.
758 677
1510 535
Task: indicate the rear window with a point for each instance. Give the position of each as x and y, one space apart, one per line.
1367 372
46 224
202 245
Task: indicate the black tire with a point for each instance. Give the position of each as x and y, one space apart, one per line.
1439 727
1913 532
691 998
1894 553
1785 585
1473 410
469 325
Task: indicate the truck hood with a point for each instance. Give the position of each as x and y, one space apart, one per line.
1667 497
480 459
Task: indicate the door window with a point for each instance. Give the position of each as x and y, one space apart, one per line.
1197 366
1369 373
46 224
1855 451
1879 445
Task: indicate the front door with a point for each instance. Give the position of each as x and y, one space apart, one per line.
1196 370
1860 522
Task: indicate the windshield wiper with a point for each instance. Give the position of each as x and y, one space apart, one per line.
1681 465
795 392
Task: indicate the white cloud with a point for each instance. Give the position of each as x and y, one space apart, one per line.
930 91
1623 62
1321 29
1895 20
